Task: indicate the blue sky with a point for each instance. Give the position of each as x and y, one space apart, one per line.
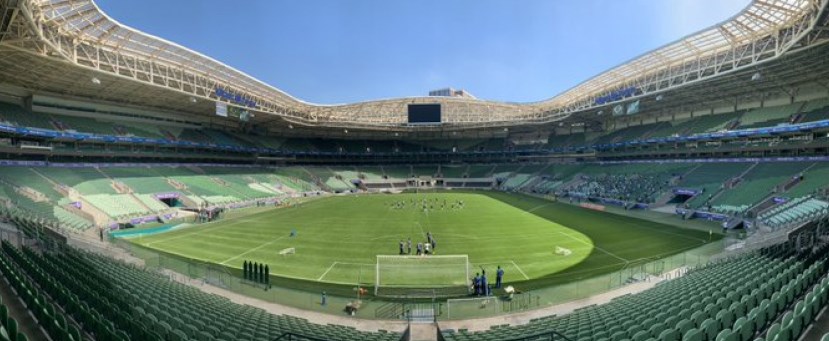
355 50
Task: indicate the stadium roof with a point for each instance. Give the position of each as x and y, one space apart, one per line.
80 34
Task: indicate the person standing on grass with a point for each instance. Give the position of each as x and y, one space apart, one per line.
401 246
499 275
409 246
323 299
484 285
476 284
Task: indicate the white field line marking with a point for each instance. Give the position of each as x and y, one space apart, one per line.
385 236
326 271
581 241
460 235
595 247
519 269
360 264
421 229
196 230
253 249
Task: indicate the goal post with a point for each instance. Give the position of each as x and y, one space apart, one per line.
442 275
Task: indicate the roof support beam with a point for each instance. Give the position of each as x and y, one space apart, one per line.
776 6
760 18
78 14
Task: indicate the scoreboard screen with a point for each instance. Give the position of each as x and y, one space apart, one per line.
424 113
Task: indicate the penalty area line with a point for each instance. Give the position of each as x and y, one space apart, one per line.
519 269
326 271
251 250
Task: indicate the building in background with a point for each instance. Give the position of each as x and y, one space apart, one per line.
450 92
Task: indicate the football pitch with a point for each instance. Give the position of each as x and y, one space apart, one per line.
337 239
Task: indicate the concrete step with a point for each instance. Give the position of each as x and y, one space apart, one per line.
423 332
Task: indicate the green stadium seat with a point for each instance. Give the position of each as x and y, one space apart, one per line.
693 335
669 335
726 335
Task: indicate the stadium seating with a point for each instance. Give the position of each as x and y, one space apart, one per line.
42 210
629 133
423 170
480 171
768 117
515 181
115 301
561 141
758 184
816 110
565 171
701 124
519 177
632 188
85 180
84 125
642 183
371 172
794 211
297 144
398 171
70 220
220 137
330 179
138 129
140 179
814 179
346 173
545 186
730 300
118 206
295 178
709 178
16 115
453 171
28 177
764 117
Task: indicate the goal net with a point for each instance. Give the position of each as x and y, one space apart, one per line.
412 276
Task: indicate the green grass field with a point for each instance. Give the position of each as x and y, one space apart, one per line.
339 238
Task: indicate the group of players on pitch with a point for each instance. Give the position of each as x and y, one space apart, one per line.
427 204
423 249
480 285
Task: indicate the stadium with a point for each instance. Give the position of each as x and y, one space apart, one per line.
151 192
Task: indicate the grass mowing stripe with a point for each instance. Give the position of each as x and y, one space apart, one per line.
349 231
594 246
251 250
196 230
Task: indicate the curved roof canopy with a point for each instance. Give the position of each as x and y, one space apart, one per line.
86 24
